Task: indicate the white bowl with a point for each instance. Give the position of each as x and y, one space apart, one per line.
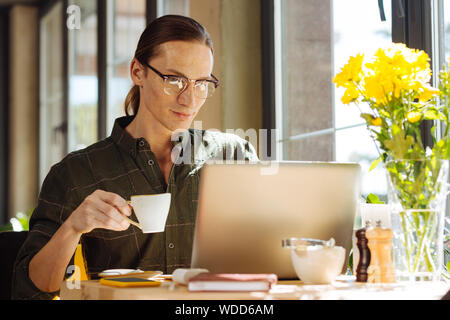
318 264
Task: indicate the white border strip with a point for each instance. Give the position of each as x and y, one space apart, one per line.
278 43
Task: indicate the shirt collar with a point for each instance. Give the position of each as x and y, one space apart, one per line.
131 145
122 138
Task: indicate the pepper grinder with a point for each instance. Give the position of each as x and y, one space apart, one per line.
380 268
364 253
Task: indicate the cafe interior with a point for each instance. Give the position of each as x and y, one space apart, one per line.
65 73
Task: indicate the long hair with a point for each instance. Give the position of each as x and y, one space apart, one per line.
161 30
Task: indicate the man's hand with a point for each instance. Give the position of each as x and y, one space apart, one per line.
101 209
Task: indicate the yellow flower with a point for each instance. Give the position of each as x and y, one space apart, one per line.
392 73
408 60
413 116
396 69
351 94
376 121
350 73
427 93
374 89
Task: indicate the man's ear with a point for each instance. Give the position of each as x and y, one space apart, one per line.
137 72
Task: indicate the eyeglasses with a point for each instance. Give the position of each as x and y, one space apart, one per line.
174 85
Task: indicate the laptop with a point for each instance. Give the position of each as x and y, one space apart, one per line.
246 210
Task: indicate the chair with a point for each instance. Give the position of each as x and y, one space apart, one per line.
10 243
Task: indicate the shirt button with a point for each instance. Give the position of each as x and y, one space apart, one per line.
150 162
171 245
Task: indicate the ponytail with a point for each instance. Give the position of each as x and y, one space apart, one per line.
132 101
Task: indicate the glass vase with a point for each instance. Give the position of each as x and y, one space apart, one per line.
417 191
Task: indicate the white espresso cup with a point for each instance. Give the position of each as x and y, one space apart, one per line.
151 211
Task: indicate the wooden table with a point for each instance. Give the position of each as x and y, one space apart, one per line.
344 288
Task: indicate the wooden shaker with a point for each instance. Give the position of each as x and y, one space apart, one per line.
381 268
364 253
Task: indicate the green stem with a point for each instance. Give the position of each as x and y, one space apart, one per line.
446 127
405 234
419 137
421 242
428 257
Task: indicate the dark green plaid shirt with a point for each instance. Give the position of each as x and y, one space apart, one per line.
126 166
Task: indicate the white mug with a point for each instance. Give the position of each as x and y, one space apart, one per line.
151 211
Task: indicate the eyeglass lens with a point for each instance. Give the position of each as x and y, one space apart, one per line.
175 85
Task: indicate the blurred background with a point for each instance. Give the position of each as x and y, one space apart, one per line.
64 75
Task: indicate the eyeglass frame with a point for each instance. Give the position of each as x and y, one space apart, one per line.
215 81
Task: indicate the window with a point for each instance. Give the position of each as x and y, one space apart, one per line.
363 32
4 120
446 39
52 137
126 22
315 39
83 78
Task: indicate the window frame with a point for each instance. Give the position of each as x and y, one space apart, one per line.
102 43
4 127
151 10
268 75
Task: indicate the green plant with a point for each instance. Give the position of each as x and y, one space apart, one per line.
373 198
20 222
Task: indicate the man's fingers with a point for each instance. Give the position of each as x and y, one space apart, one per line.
97 219
113 213
108 212
108 222
115 200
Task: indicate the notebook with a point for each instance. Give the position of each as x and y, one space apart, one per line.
231 282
